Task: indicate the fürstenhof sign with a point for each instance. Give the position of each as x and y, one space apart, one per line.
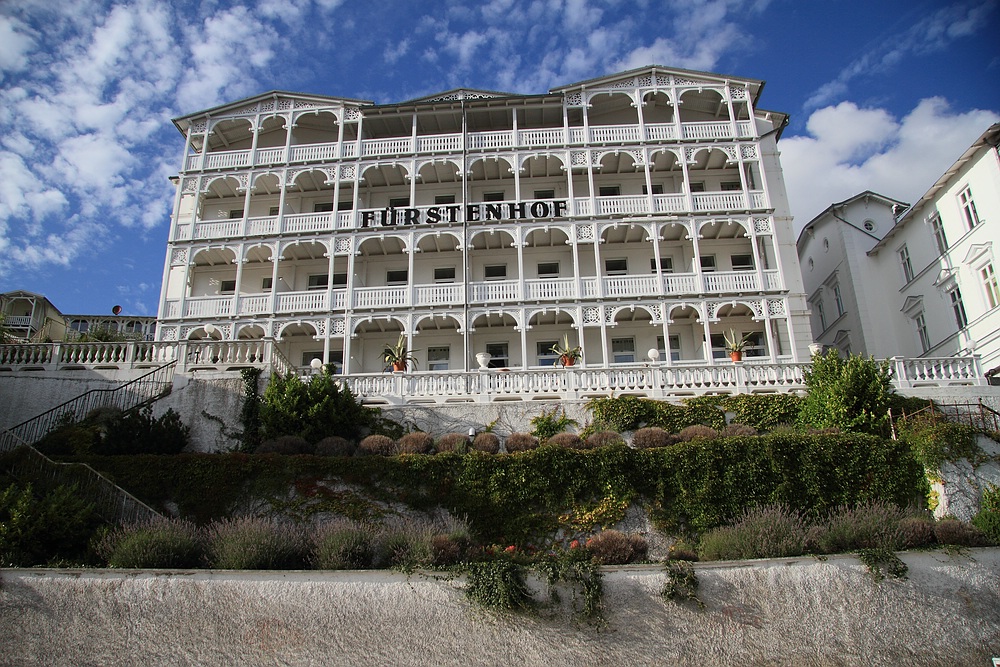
391 217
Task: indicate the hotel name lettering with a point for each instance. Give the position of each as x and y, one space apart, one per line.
530 210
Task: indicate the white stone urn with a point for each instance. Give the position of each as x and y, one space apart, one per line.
484 360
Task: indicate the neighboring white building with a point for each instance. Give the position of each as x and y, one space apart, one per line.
642 211
919 283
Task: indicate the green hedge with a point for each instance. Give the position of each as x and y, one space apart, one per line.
524 497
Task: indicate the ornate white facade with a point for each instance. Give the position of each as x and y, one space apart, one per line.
635 212
921 282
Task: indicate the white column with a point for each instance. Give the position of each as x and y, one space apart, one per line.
240 261
707 326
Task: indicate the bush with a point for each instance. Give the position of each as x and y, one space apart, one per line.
448 550
697 432
312 410
682 550
334 445
379 445
625 413
987 519
954 532
158 543
548 424
916 532
612 547
486 442
851 394
255 543
653 436
343 545
771 531
137 432
764 412
54 525
286 444
737 431
869 525
520 442
570 440
453 442
404 544
604 438
416 442
935 440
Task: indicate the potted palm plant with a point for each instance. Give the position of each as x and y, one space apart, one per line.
397 355
567 355
734 345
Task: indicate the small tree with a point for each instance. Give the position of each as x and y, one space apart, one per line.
312 410
851 394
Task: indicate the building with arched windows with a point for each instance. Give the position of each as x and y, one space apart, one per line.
641 217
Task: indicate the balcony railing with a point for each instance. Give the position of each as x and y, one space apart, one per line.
452 143
491 292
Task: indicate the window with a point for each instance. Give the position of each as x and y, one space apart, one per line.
675 347
869 225
497 271
939 237
838 299
548 269
444 274
236 214
822 315
308 356
718 342
339 280
499 355
616 267
345 205
227 286
545 194
742 262
730 186
707 262
265 284
968 208
399 202
80 325
319 281
697 186
989 279
623 350
323 207
755 345
958 307
921 325
437 358
666 265
444 199
904 262
397 277
546 357
273 210
609 191
493 196
657 189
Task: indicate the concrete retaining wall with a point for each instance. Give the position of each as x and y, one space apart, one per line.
779 612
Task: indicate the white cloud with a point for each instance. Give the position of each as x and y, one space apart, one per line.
848 150
14 45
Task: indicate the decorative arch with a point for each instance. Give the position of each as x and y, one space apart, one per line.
438 170
383 244
710 157
618 161
665 159
657 107
492 239
609 107
267 182
433 241
727 228
221 187
654 317
386 174
703 104
491 168
538 165
296 328
547 236
272 131
228 134
362 325
250 331
694 308
420 319
496 319
562 316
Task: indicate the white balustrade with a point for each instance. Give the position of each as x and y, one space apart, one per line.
620 286
538 138
380 297
674 203
720 201
256 304
302 302
495 291
546 289
308 222
227 159
394 146
18 321
345 220
711 130
679 283
313 152
731 281
434 295
661 132
272 155
262 226
440 143
772 281
607 134
217 230
758 200
208 306
622 204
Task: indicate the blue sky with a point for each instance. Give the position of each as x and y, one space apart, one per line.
883 95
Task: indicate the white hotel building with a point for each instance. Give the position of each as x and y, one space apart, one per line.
643 215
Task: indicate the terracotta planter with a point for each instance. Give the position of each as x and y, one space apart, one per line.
566 360
736 356
398 366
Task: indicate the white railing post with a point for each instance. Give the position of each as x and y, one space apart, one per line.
900 375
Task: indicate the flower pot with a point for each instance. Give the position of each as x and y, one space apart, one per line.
483 359
566 360
398 366
736 355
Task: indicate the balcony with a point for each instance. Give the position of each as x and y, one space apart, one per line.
452 143
491 292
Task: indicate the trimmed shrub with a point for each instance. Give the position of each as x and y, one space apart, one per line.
570 440
604 438
916 531
869 525
520 442
378 445
653 436
612 547
286 444
771 531
763 412
158 543
625 413
343 545
416 442
737 431
453 442
334 445
697 432
486 442
851 394
955 532
255 543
